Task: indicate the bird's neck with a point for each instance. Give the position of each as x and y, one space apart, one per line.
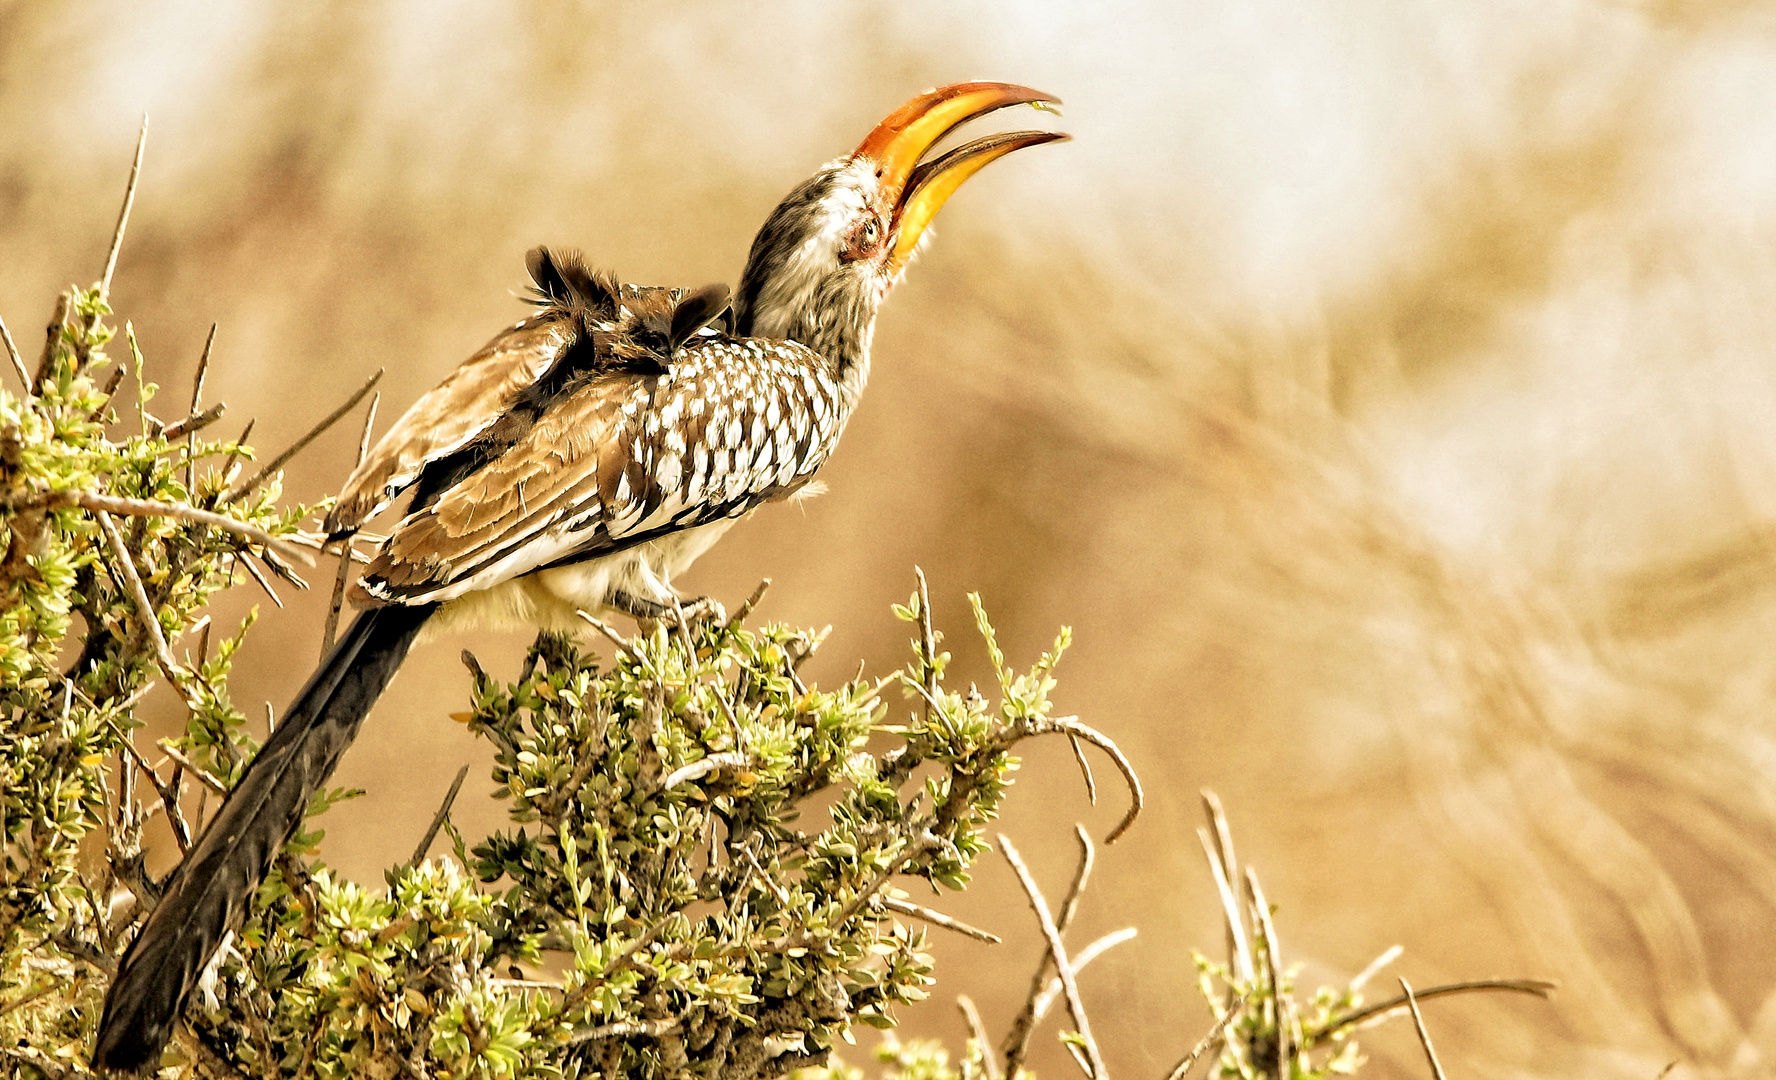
838 326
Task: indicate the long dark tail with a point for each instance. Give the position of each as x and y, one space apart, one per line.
209 893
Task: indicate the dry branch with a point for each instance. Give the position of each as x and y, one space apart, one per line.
1372 1013
935 918
1058 950
1424 1037
1182 1068
431 833
129 201
1137 798
12 354
977 1033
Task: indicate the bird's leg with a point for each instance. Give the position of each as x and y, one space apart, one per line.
687 611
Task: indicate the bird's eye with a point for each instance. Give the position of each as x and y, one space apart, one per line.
870 232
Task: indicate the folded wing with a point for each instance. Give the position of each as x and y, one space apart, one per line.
619 458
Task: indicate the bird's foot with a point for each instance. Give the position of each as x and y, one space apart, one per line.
703 608
647 611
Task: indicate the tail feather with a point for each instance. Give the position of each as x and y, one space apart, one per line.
208 894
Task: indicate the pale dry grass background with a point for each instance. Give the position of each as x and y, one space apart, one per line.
1386 392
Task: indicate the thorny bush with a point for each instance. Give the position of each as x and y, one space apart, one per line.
696 880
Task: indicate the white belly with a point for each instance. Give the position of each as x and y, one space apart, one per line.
547 599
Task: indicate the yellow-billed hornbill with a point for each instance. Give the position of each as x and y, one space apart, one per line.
578 461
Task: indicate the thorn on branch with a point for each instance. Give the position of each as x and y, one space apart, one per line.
12 354
123 215
431 833
250 485
745 609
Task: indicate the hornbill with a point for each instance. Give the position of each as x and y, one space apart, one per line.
577 462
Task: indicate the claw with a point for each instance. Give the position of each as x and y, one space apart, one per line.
704 608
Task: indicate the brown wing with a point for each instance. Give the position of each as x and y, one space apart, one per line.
622 458
446 418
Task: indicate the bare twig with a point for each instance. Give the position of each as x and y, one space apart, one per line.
1203 1044
927 644
369 426
431 833
1080 877
937 918
204 776
1137 799
12 353
1287 1040
1058 951
1223 834
977 1033
1091 952
169 794
1218 849
240 440
1424 1037
605 628
247 486
779 892
52 339
745 609
129 201
259 576
118 504
1372 1013
197 388
1023 1026
126 565
702 767
650 1028
203 369
26 998
194 423
1085 768
1387 957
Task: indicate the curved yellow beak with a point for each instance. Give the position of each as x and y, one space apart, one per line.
935 181
918 191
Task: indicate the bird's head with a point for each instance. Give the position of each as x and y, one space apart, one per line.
835 245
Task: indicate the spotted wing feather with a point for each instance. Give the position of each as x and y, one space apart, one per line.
620 459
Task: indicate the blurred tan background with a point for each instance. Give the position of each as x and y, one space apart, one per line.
1384 391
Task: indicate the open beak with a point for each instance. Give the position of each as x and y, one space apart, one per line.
918 191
